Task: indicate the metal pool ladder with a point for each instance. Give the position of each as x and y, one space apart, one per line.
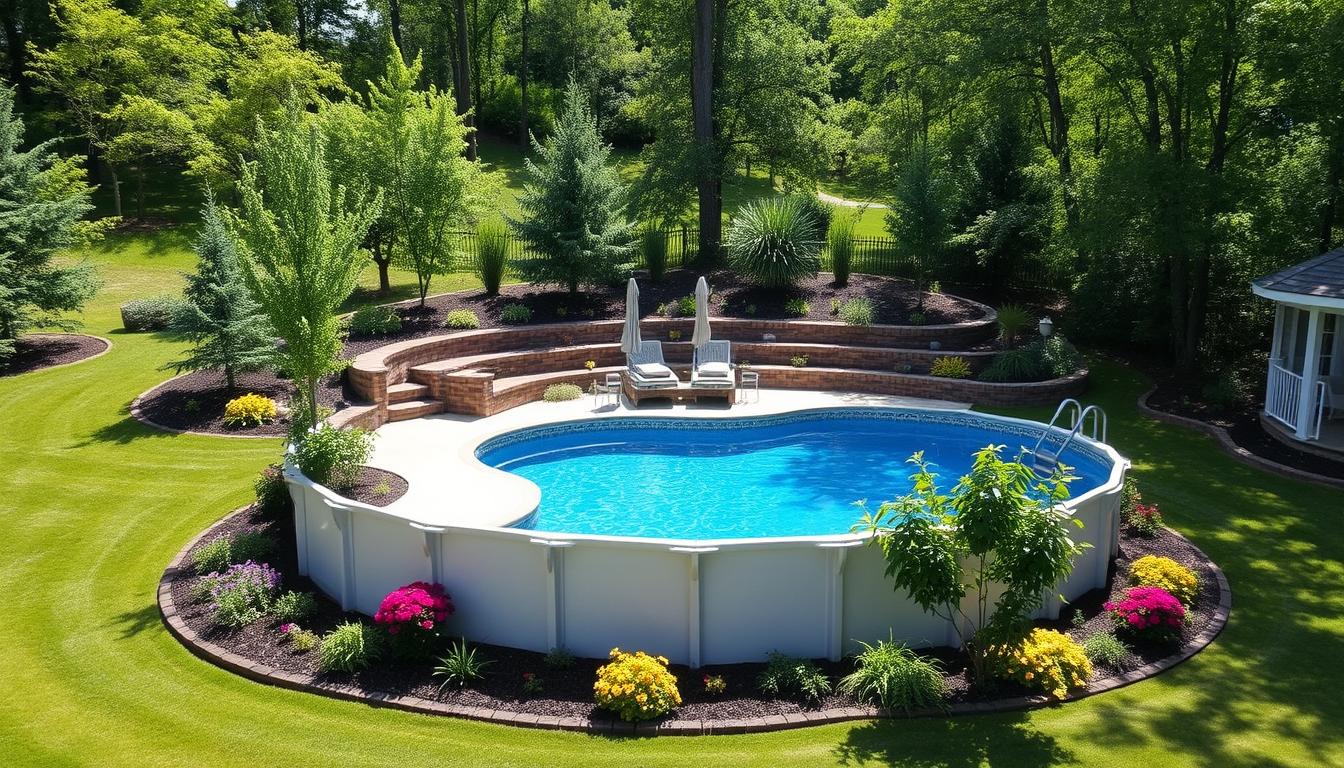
1045 459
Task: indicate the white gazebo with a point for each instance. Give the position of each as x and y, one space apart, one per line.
1305 387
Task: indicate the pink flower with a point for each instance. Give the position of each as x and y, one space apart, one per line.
286 628
426 625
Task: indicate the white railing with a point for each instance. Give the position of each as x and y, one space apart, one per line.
1282 395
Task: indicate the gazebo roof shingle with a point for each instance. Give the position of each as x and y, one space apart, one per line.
1322 276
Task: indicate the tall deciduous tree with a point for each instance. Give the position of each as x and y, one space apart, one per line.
224 324
298 242
42 199
573 204
919 215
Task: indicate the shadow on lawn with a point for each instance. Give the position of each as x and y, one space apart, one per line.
959 742
135 621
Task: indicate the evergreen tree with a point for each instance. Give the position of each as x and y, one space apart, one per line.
225 326
574 204
298 244
42 198
918 218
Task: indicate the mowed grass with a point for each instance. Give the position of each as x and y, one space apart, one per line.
94 505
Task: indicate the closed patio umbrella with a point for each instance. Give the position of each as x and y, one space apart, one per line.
701 333
630 340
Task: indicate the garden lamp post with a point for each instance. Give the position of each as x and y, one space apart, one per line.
1047 327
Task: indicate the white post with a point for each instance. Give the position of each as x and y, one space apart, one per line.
1311 364
1275 350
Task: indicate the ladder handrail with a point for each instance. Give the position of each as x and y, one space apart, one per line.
1059 411
1099 424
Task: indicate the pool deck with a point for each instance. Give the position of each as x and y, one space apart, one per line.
449 487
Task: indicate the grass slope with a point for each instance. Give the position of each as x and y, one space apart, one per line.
94 505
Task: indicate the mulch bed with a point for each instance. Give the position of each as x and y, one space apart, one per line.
195 402
377 487
1242 422
568 692
46 350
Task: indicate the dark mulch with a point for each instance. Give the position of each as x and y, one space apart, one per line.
1242 422
894 300
377 487
568 692
44 350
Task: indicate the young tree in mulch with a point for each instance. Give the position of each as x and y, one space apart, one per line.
919 218
1001 526
416 157
574 204
298 244
42 199
221 320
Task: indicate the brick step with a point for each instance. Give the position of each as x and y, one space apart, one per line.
400 393
413 409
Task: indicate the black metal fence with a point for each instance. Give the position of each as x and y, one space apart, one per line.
871 255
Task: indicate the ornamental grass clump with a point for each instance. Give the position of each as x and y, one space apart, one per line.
1165 573
774 243
1148 613
1105 648
858 312
412 616
1046 660
242 594
950 368
892 676
350 648
461 667
250 410
791 678
492 255
636 686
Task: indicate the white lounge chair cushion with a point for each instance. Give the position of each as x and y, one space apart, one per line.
653 370
714 369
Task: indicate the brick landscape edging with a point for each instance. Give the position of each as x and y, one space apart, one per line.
1230 447
263 673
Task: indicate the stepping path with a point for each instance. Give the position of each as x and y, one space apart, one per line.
843 203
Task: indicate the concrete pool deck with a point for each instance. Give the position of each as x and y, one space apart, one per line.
449 487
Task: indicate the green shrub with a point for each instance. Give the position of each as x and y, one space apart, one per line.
559 658
332 456
1059 357
917 318
294 607
950 368
798 307
686 306
1021 364
461 666
773 243
840 239
653 244
892 676
350 648
212 557
559 393
462 319
791 678
250 410
492 256
1013 320
374 321
153 314
216 555
798 361
273 499
858 312
1225 391
242 594
516 314
1105 648
303 640
835 306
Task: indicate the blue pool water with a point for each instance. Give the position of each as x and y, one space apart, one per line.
724 478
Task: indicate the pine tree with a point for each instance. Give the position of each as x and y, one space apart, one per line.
298 244
42 198
574 204
225 326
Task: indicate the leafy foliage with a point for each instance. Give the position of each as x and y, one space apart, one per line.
224 325
1165 573
333 456
1013 320
250 410
919 215
1105 648
216 555
351 647
653 246
374 321
1046 660
515 314
892 676
558 393
788 677
773 243
798 307
242 594
1003 523
950 367
294 607
492 255
858 311
155 313
636 686
462 319
461 667
573 204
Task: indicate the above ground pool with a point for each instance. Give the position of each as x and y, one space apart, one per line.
790 475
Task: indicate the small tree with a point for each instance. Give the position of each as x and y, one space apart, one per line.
1002 528
225 326
298 244
417 142
919 215
574 204
42 198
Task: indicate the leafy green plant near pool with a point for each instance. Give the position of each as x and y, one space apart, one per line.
461 667
1000 526
791 678
351 647
333 456
892 676
219 553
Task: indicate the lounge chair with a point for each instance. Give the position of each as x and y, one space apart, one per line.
713 366
646 367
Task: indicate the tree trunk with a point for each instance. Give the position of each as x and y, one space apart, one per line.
702 109
463 90
301 25
1059 135
394 21
230 379
476 51
140 191
116 189
522 78
382 256
16 46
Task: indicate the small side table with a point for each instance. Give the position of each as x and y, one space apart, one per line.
610 386
750 379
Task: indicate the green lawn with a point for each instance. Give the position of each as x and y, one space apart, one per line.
94 505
